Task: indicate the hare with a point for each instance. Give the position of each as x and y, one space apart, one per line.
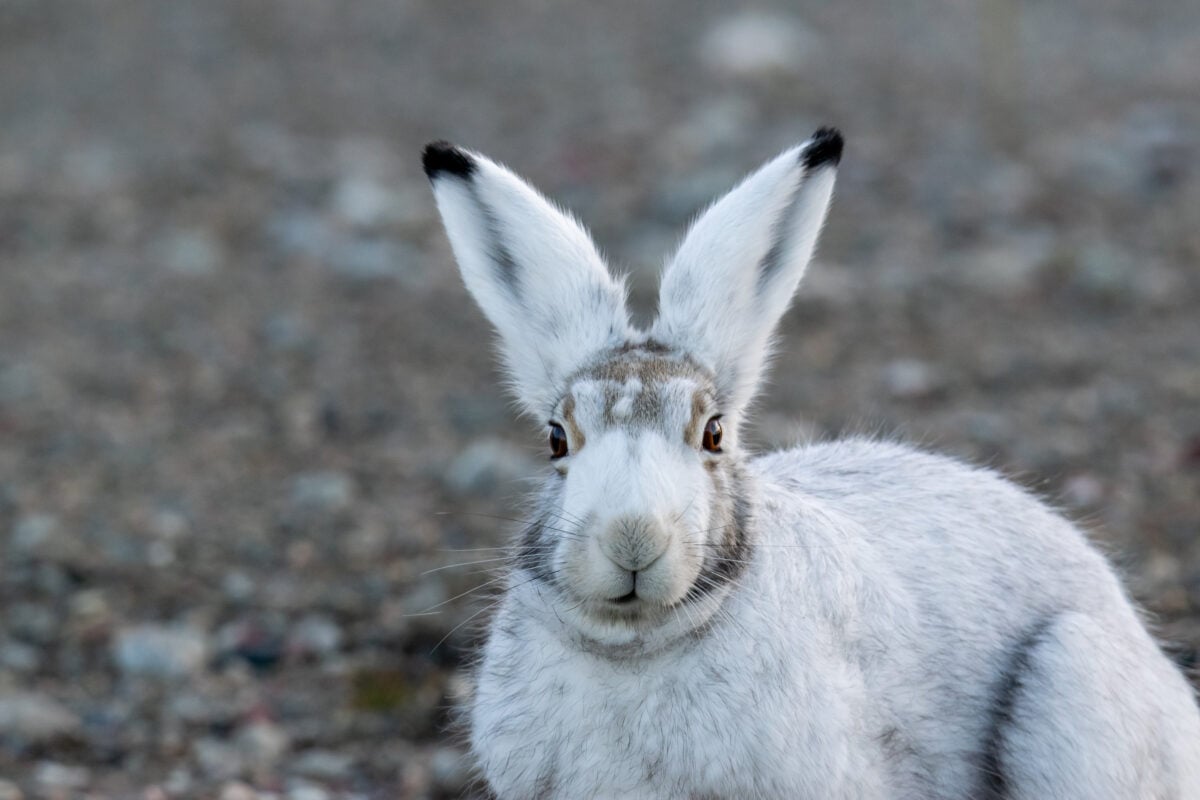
843 620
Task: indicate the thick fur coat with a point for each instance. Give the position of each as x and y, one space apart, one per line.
846 620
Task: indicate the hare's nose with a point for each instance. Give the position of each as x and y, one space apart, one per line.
634 543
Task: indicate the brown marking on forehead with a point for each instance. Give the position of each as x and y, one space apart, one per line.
573 430
691 434
648 368
633 377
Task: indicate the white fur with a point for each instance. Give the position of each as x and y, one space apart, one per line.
564 306
712 302
903 626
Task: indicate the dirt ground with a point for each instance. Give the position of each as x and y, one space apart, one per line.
246 405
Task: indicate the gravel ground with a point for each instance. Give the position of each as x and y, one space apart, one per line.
245 404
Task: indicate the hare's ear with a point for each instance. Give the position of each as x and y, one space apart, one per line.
734 275
533 270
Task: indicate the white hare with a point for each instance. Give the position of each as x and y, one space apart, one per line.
846 620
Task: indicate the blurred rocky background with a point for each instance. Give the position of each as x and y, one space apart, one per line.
246 406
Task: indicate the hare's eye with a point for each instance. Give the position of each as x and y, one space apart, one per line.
712 435
558 441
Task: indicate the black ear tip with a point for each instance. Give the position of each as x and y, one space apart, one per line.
824 149
441 156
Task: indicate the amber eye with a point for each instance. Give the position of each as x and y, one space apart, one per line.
558 441
712 435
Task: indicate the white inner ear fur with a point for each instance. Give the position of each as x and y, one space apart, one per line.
735 273
535 273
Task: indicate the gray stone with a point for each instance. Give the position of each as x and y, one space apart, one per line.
314 635
191 252
450 769
324 765
325 492
911 379
303 790
19 656
10 791
160 651
55 777
752 44
35 718
363 260
34 533
263 744
488 466
365 202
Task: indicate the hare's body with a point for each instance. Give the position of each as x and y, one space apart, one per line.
909 628
853 620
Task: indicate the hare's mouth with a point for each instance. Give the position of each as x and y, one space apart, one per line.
625 599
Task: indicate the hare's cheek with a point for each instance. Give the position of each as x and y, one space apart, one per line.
670 578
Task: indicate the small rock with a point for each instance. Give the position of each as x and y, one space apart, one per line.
1103 272
236 790
160 651
314 636
238 586
19 656
54 776
220 761
450 769
755 43
35 718
364 202
33 621
367 260
911 379
325 492
303 790
323 765
1083 491
487 466
263 744
10 791
258 640
34 533
192 253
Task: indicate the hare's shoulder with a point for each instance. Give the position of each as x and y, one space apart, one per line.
856 465
914 509
906 495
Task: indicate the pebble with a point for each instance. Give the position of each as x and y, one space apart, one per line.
33 534
314 635
219 760
191 253
1104 272
364 202
53 775
262 744
322 764
35 718
450 769
1083 490
160 651
489 466
753 44
236 790
324 492
303 790
911 379
19 656
10 791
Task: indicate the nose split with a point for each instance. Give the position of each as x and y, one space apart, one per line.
634 543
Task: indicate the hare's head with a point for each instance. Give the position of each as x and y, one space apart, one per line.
644 525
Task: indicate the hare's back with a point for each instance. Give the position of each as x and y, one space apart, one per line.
965 550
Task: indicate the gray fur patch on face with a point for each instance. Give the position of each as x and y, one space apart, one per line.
642 385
